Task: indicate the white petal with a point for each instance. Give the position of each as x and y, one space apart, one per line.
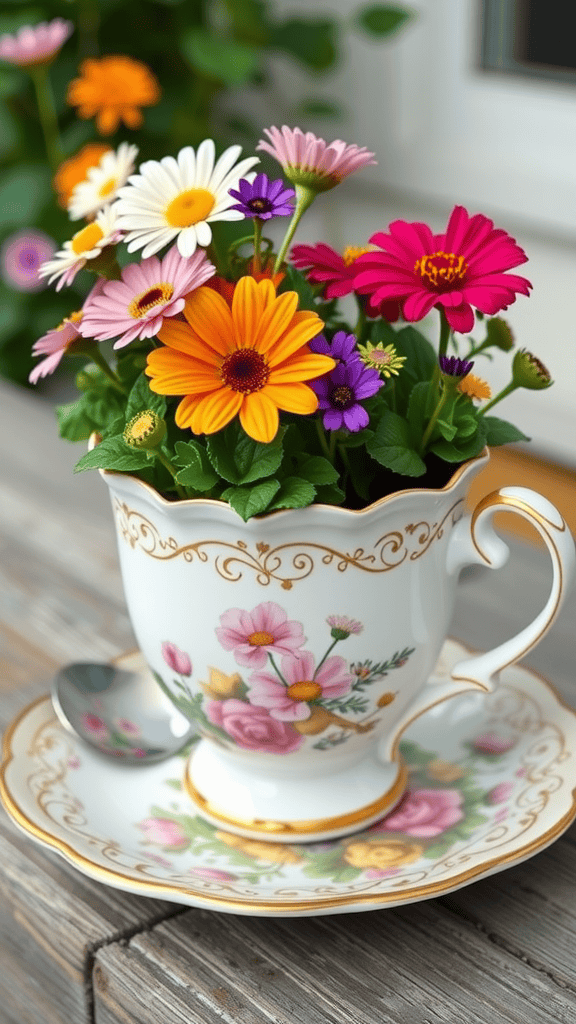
231 180
187 165
225 163
169 164
187 241
203 233
205 163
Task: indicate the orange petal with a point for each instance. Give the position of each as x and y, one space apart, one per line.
275 321
107 120
248 304
132 116
216 410
302 366
259 416
181 338
305 326
298 398
185 410
210 318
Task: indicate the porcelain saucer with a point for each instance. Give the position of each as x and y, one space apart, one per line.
492 782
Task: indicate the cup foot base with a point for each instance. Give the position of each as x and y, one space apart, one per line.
261 808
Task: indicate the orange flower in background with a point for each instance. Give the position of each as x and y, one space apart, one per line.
250 358
474 387
74 170
112 89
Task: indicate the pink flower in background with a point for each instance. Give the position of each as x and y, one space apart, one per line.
381 872
35 44
424 813
95 726
128 727
164 832
21 257
463 268
251 635
500 793
305 683
212 874
56 342
176 659
310 161
325 266
252 728
136 306
492 743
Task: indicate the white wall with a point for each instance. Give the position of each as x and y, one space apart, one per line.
445 132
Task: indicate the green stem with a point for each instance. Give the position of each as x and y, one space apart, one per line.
442 349
47 114
97 357
257 245
323 441
322 660
498 398
277 670
304 198
432 422
168 465
360 323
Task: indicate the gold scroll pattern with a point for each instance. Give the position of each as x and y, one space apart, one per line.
287 563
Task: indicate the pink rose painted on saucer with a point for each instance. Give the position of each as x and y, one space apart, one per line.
253 635
493 743
176 659
164 832
288 694
424 813
252 727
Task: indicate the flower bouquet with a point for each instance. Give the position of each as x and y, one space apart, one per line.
228 371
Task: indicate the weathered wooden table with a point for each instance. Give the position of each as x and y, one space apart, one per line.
75 951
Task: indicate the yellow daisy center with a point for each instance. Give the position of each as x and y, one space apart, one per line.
352 252
261 639
158 295
441 269
307 690
72 318
142 425
107 188
86 239
189 208
245 371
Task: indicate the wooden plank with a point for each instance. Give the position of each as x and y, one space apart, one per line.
413 964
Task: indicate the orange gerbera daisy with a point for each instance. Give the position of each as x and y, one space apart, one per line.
113 89
248 358
74 170
474 387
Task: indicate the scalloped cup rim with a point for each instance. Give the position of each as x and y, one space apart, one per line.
187 503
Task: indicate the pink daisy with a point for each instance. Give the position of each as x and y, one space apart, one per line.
252 635
56 342
291 703
21 257
35 44
310 161
462 268
326 266
136 306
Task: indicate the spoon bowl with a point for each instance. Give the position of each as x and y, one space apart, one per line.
120 710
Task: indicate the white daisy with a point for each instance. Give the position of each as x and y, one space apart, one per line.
85 245
179 198
101 184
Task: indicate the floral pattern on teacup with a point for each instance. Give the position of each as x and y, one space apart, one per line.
287 693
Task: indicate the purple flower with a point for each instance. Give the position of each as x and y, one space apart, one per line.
262 198
342 347
21 256
339 394
454 367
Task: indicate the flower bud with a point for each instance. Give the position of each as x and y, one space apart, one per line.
499 334
529 372
145 430
452 366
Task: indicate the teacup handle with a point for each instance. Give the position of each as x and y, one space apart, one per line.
474 541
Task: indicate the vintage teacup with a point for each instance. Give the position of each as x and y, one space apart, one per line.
302 642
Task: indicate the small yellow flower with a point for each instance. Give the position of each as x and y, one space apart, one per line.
221 686
384 359
382 853
145 430
276 853
474 387
444 771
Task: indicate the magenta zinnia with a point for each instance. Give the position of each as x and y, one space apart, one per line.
463 268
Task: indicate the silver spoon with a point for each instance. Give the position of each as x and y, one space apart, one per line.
124 714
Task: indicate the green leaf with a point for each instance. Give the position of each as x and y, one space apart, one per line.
381 19
113 453
239 459
74 422
311 41
421 357
420 408
9 134
294 281
197 471
25 190
461 448
320 108
329 494
251 501
391 446
317 470
141 398
226 60
294 493
501 432
11 82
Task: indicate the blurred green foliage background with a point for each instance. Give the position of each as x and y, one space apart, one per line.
204 53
